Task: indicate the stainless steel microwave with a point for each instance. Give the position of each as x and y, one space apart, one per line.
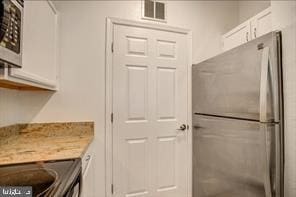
11 16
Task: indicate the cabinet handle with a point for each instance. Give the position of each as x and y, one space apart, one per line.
247 36
255 32
87 158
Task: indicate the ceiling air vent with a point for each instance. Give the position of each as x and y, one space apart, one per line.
154 10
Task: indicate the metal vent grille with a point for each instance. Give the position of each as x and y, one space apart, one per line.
154 10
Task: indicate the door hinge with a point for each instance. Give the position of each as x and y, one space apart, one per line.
111 117
112 47
112 189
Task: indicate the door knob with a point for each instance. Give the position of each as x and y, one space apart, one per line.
182 127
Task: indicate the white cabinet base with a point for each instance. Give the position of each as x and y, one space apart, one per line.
7 81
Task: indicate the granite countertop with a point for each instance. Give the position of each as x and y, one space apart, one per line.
23 143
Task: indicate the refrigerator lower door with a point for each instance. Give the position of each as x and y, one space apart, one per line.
235 158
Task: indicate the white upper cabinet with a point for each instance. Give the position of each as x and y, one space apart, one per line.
39 55
237 36
261 23
250 29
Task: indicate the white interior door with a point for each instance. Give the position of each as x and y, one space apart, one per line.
150 154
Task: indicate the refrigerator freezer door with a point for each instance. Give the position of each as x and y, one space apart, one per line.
234 83
234 158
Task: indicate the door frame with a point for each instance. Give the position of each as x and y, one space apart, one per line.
110 22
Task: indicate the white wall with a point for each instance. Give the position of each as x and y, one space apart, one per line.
284 19
8 107
247 9
82 59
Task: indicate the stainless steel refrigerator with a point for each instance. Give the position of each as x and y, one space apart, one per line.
237 101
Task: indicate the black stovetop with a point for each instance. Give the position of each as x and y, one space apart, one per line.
49 178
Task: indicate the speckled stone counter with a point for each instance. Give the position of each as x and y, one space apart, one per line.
44 141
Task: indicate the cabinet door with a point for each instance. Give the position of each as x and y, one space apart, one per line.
261 23
39 61
237 36
88 179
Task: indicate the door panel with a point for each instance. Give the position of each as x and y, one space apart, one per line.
166 84
137 92
229 84
137 163
149 105
233 158
166 157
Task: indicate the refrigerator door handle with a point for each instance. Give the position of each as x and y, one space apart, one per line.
267 163
264 84
268 77
275 84
277 178
271 154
